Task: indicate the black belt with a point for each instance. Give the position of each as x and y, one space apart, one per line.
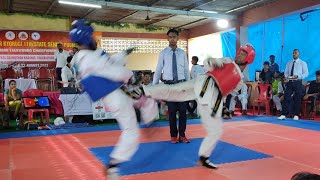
219 97
173 82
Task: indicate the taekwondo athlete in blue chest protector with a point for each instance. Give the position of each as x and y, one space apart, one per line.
104 77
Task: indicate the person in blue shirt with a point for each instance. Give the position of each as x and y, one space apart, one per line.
12 98
174 66
274 67
296 70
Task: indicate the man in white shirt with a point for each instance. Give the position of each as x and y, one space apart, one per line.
296 70
175 67
68 74
60 56
196 70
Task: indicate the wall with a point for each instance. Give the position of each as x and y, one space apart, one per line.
31 22
135 61
143 61
28 22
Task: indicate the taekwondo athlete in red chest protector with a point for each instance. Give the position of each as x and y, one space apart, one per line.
223 77
103 77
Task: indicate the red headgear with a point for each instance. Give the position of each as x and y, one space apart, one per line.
251 53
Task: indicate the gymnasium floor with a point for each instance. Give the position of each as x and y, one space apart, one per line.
252 147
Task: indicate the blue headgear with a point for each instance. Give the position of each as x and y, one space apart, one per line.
81 33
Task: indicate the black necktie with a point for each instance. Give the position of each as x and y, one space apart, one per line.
174 66
292 69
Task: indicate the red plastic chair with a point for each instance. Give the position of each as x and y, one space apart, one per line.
34 93
25 72
264 96
11 73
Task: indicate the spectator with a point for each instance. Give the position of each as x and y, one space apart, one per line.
196 70
60 56
274 67
266 75
75 50
68 74
313 94
146 78
241 96
12 98
278 91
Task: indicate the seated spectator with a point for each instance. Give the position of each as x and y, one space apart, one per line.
146 79
68 74
12 98
242 96
138 78
313 94
277 90
265 75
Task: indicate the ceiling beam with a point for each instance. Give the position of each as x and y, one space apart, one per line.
123 17
53 2
150 4
188 8
244 6
197 4
159 20
154 2
154 9
87 13
10 5
190 23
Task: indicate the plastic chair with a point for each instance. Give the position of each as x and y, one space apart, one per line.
264 95
43 75
11 73
34 93
25 72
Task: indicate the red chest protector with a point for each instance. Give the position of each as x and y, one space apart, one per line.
227 78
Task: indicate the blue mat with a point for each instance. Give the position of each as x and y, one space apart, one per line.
74 130
303 124
160 156
68 126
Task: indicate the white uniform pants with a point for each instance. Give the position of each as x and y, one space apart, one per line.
121 106
242 99
276 101
186 91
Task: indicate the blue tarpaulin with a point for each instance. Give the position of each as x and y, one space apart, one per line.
280 37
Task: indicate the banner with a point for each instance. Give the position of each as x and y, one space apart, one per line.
99 112
31 48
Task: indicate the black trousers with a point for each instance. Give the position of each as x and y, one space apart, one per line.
295 87
228 100
59 78
173 108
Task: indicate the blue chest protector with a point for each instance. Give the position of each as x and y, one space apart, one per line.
98 87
